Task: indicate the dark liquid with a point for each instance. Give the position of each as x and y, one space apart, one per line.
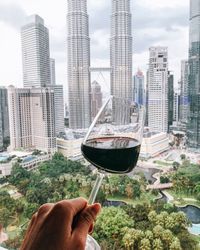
112 154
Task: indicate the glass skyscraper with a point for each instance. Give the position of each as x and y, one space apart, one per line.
121 50
78 51
193 128
35 53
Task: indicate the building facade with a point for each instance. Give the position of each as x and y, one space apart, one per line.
96 98
59 108
158 89
78 55
153 144
35 53
53 71
121 50
184 102
32 119
193 128
138 88
4 118
170 98
176 111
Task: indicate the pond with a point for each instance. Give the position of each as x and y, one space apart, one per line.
192 212
3 157
113 203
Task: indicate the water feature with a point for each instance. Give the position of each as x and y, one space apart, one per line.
194 229
113 203
28 158
3 157
192 212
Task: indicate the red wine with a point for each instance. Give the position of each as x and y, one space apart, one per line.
112 154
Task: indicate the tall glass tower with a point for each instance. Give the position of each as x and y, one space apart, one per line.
121 49
78 48
194 76
35 53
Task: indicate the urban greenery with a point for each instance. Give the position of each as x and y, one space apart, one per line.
142 224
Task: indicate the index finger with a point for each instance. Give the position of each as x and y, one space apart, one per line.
77 205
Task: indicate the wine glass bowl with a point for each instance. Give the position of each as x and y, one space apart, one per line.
113 141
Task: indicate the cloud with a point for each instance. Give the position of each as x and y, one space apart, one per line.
100 43
166 18
12 14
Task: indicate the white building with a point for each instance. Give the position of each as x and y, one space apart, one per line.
53 71
35 53
32 118
28 161
158 89
78 51
121 50
71 148
153 144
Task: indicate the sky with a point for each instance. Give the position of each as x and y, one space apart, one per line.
154 23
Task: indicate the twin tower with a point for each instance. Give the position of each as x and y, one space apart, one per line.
78 46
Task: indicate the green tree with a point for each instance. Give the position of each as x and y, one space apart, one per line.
157 244
183 157
30 209
175 245
145 244
110 224
5 216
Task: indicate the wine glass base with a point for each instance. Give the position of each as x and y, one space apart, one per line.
91 244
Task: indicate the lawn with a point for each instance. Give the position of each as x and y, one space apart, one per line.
163 163
183 199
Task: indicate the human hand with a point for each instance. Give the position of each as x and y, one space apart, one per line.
61 226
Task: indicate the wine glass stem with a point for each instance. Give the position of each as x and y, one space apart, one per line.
95 188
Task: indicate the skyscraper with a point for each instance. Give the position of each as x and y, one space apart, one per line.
176 112
78 48
121 49
59 108
96 98
193 127
38 68
170 98
32 118
138 88
4 118
184 93
35 53
158 89
53 71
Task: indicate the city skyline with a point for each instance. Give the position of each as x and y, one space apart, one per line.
167 32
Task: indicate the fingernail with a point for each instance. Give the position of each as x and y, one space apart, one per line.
91 229
96 207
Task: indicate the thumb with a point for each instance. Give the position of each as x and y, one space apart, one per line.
86 219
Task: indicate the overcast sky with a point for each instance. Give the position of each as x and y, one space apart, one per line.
155 22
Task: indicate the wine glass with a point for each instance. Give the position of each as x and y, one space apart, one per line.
112 143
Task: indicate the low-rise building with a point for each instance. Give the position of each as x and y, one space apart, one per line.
28 161
153 144
70 148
